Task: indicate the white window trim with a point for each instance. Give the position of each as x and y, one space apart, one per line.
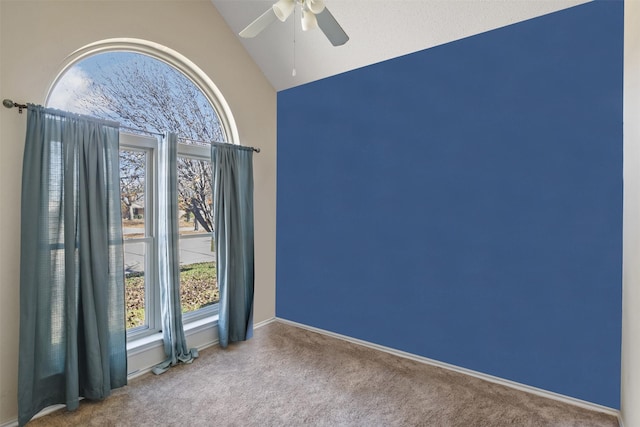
144 353
142 337
153 323
200 330
197 152
172 58
145 347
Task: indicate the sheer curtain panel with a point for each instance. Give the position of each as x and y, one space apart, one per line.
232 167
175 343
72 321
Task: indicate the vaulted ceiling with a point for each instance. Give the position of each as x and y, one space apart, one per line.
378 30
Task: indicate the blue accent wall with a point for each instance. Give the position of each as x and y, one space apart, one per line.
464 203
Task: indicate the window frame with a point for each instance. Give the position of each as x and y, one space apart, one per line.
136 336
203 153
148 145
172 58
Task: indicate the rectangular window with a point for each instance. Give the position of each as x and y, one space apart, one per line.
198 279
137 196
138 188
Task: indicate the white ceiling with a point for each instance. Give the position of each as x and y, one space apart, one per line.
378 30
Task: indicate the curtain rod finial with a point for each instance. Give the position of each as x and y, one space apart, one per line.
10 104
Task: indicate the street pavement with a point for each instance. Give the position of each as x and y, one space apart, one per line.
192 250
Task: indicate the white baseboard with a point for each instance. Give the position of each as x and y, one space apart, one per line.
497 380
264 322
205 343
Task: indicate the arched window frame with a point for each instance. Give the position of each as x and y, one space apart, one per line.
143 143
171 58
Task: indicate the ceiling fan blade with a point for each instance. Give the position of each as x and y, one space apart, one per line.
262 22
331 28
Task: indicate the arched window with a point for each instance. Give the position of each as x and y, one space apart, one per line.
151 90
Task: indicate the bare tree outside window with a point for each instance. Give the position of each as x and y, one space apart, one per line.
132 184
145 93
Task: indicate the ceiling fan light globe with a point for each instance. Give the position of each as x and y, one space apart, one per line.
315 6
283 9
309 21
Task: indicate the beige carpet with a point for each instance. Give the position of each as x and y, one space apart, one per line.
286 376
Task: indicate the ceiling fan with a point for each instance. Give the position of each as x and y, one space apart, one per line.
314 15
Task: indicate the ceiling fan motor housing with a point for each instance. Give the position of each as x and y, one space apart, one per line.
315 6
314 15
283 9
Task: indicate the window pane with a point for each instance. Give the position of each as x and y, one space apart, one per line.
138 91
132 197
135 289
194 196
198 279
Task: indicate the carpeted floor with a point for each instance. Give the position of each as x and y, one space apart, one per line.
287 376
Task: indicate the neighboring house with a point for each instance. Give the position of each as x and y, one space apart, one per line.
136 210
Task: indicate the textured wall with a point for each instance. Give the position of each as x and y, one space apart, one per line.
464 203
37 36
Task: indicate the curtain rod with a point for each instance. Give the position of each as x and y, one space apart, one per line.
10 104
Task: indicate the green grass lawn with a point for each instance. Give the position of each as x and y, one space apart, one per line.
198 289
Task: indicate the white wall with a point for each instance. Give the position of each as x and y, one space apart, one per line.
35 38
630 383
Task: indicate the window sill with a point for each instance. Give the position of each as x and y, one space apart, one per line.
139 345
200 325
146 350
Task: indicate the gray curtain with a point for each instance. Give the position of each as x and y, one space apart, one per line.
232 167
175 343
72 321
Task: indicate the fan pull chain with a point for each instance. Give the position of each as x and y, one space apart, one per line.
293 72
